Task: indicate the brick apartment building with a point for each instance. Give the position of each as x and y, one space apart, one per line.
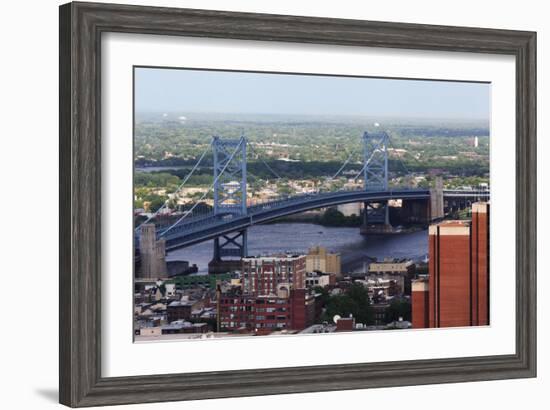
290 310
262 275
457 290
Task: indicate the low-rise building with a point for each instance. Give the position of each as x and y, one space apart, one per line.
314 279
400 271
178 309
182 326
392 266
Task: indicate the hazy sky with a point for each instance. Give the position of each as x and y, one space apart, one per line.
173 90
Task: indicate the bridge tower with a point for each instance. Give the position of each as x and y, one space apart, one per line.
375 175
375 154
229 193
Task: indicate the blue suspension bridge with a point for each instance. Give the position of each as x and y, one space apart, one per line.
227 221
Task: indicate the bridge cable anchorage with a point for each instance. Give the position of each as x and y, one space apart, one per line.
178 188
264 162
207 191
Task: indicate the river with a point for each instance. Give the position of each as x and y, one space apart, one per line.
296 238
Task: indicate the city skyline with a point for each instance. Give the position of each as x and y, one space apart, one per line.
294 223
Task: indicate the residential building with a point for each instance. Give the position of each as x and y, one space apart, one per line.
391 266
263 275
178 310
400 271
292 309
379 312
182 327
314 279
383 287
318 259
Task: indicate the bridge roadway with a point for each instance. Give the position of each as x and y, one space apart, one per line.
198 229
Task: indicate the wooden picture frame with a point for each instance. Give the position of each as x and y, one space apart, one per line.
81 27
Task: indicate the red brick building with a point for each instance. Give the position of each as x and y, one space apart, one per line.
480 263
458 288
262 275
294 311
420 303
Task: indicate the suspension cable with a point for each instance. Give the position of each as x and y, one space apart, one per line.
367 162
207 191
180 186
264 162
342 167
399 159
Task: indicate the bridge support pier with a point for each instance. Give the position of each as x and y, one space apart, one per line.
415 211
376 218
436 210
232 245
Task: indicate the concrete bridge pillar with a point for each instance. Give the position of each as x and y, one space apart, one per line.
152 253
415 211
436 200
376 218
233 246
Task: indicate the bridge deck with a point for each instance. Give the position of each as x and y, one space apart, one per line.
195 229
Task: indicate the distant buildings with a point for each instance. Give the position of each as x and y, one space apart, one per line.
319 260
458 285
152 254
262 275
473 142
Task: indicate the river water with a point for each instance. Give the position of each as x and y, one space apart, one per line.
296 238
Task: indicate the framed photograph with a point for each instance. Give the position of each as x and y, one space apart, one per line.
280 204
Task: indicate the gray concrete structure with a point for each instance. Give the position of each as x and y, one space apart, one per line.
152 253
